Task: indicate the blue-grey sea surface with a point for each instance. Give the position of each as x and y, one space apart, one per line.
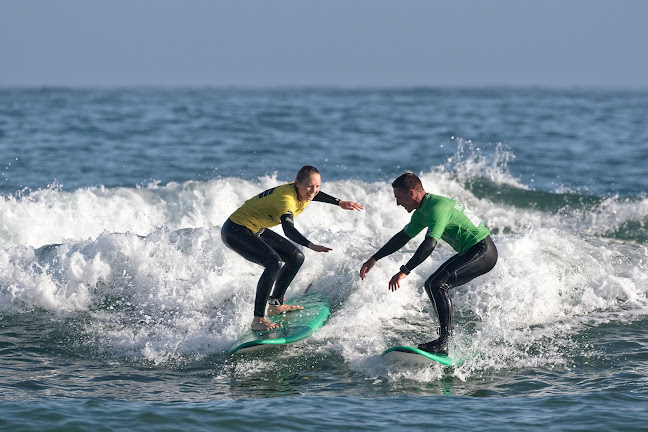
119 301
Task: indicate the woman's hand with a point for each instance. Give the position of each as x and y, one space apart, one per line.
318 248
350 205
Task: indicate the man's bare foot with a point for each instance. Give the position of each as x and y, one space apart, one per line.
276 310
261 324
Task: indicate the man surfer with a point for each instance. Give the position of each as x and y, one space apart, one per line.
245 233
444 219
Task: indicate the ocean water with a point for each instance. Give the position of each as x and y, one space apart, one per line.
119 302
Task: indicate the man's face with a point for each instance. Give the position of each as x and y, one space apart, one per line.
404 198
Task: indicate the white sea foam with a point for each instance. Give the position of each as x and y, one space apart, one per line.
469 161
149 268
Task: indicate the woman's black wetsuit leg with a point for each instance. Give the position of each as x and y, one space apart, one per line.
269 250
458 270
291 256
251 247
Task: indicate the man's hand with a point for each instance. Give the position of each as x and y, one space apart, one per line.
350 205
366 267
394 283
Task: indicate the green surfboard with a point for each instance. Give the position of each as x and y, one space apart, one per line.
296 325
415 355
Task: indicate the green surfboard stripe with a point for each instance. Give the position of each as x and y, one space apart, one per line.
297 325
444 360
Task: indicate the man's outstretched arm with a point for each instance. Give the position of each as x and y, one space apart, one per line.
394 244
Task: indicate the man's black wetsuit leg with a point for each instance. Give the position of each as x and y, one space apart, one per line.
458 270
251 247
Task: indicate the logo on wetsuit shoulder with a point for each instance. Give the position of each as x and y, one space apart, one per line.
470 215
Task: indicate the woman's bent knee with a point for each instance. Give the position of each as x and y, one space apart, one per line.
298 258
273 264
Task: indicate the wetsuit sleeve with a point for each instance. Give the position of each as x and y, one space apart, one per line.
326 198
288 225
395 243
424 250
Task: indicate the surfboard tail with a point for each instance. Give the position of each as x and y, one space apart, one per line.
415 355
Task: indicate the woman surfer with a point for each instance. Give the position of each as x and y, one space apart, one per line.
246 233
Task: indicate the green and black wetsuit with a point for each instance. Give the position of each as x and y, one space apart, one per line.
451 221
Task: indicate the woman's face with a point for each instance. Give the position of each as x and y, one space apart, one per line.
308 188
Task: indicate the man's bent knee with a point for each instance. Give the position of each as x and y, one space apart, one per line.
435 284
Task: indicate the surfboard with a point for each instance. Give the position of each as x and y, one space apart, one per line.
297 325
415 355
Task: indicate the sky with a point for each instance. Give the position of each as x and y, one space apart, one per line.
547 43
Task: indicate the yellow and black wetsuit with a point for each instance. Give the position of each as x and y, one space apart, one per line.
245 233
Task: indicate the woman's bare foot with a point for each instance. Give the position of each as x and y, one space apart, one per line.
261 324
276 310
